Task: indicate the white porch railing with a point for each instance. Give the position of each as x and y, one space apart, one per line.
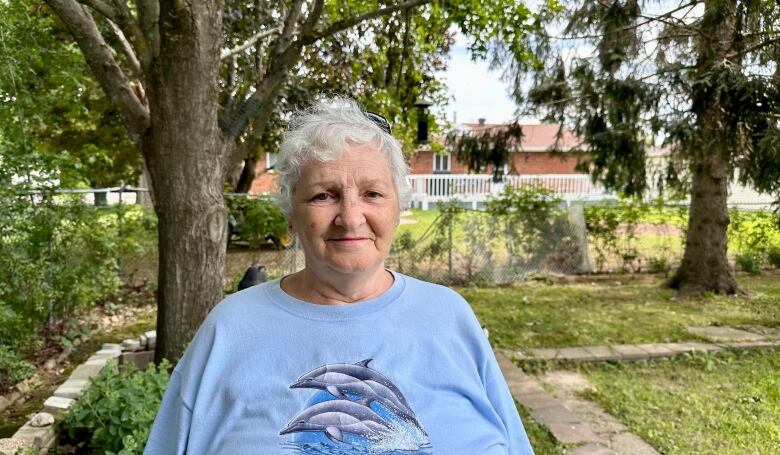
477 188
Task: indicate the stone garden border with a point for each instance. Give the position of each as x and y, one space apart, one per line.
38 432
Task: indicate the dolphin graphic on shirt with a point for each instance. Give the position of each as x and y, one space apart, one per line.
359 370
342 385
345 409
336 417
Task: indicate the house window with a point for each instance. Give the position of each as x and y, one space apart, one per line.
441 163
270 160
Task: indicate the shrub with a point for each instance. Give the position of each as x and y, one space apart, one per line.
58 256
773 256
658 265
117 410
748 262
260 221
13 369
753 231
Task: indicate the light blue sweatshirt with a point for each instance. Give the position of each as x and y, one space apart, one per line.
409 372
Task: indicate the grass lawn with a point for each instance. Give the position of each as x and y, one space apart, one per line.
726 403
618 309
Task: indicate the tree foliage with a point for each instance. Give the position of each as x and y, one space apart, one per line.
198 95
698 79
628 75
488 147
54 117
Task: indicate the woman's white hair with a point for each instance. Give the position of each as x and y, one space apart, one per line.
324 131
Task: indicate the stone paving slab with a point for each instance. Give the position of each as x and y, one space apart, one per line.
602 353
37 437
544 353
566 380
631 444
592 449
751 344
72 388
630 351
705 347
536 401
556 413
85 371
722 333
656 350
573 433
576 353
56 405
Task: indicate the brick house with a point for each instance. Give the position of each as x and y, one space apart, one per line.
533 156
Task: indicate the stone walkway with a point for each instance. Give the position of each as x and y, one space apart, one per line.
571 420
721 338
580 423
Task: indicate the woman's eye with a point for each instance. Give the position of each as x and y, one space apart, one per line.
373 194
321 197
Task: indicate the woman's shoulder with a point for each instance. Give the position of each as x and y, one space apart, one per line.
433 293
239 305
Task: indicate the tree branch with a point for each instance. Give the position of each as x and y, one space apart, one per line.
249 42
755 47
103 8
314 16
132 60
290 22
98 56
352 21
149 18
285 55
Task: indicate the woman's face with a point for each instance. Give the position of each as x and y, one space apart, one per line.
345 212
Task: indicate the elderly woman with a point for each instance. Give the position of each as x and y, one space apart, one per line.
345 356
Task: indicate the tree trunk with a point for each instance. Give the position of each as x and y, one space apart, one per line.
248 174
184 153
705 265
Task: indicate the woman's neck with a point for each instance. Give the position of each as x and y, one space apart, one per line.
337 289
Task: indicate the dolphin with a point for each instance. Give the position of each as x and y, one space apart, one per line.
359 370
336 417
340 384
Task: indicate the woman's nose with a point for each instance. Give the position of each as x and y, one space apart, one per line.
350 213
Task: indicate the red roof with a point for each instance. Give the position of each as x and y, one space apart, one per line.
536 137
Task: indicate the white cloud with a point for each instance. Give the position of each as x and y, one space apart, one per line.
477 91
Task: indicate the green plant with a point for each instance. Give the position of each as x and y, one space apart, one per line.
259 221
531 218
773 256
753 231
658 264
749 262
116 412
13 369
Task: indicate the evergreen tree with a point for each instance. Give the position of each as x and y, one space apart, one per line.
700 78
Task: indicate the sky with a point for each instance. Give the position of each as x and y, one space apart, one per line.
477 92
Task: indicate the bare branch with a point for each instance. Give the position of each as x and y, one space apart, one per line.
107 71
249 42
132 60
101 7
352 21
